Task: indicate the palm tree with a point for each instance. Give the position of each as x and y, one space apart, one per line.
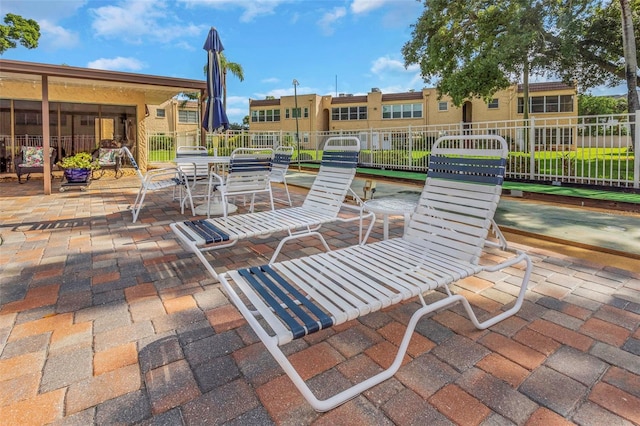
235 69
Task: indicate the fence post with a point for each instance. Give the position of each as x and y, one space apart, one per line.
532 148
636 150
410 148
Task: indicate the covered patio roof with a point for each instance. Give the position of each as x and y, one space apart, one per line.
156 89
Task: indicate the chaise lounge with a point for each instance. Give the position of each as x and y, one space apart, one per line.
443 243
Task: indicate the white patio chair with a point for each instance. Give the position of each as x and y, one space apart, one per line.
248 175
281 159
196 173
157 179
443 244
323 204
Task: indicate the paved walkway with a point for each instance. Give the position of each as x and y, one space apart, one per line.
107 322
613 231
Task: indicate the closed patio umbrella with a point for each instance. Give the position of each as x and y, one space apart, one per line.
215 118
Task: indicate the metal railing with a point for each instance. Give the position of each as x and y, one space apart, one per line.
590 150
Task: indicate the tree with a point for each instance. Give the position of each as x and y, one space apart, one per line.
600 105
235 69
598 46
630 54
478 47
18 29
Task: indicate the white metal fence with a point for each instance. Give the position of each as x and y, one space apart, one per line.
590 150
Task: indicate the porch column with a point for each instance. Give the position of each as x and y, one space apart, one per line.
46 145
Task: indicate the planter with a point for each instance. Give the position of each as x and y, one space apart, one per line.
77 175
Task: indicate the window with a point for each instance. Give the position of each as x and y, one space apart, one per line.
306 112
402 111
540 104
349 113
286 113
493 104
537 104
443 106
566 103
269 115
161 113
186 116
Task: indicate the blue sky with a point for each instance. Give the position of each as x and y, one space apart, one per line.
329 46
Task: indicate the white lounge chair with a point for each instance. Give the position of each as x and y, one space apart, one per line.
281 159
322 205
443 243
158 179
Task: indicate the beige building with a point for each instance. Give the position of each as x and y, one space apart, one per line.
173 116
377 110
85 107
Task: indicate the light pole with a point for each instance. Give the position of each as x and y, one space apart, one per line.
295 112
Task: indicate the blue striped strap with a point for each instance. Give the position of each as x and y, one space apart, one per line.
249 165
275 291
283 159
345 159
209 232
478 170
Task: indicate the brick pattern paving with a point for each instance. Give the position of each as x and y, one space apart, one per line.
107 322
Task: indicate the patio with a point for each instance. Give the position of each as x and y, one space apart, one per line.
104 321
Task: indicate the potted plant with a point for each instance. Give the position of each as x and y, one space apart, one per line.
77 168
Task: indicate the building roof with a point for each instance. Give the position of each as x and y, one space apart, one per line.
546 86
157 89
264 102
405 96
349 99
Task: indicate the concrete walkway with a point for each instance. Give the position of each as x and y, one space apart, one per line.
107 322
613 231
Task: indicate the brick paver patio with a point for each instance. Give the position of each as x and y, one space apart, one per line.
107 322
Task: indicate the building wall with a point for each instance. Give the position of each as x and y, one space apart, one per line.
170 123
477 110
32 91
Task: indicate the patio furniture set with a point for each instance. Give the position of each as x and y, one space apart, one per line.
446 233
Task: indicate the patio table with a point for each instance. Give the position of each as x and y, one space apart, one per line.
213 161
391 206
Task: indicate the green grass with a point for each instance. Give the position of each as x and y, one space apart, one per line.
591 163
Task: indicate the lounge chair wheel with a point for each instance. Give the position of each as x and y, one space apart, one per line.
61 189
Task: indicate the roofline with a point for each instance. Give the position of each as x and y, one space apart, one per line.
34 68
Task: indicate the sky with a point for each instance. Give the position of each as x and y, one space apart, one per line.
328 46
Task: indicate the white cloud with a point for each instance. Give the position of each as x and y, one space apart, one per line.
288 91
270 80
386 64
252 8
137 20
116 64
55 37
330 18
364 6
